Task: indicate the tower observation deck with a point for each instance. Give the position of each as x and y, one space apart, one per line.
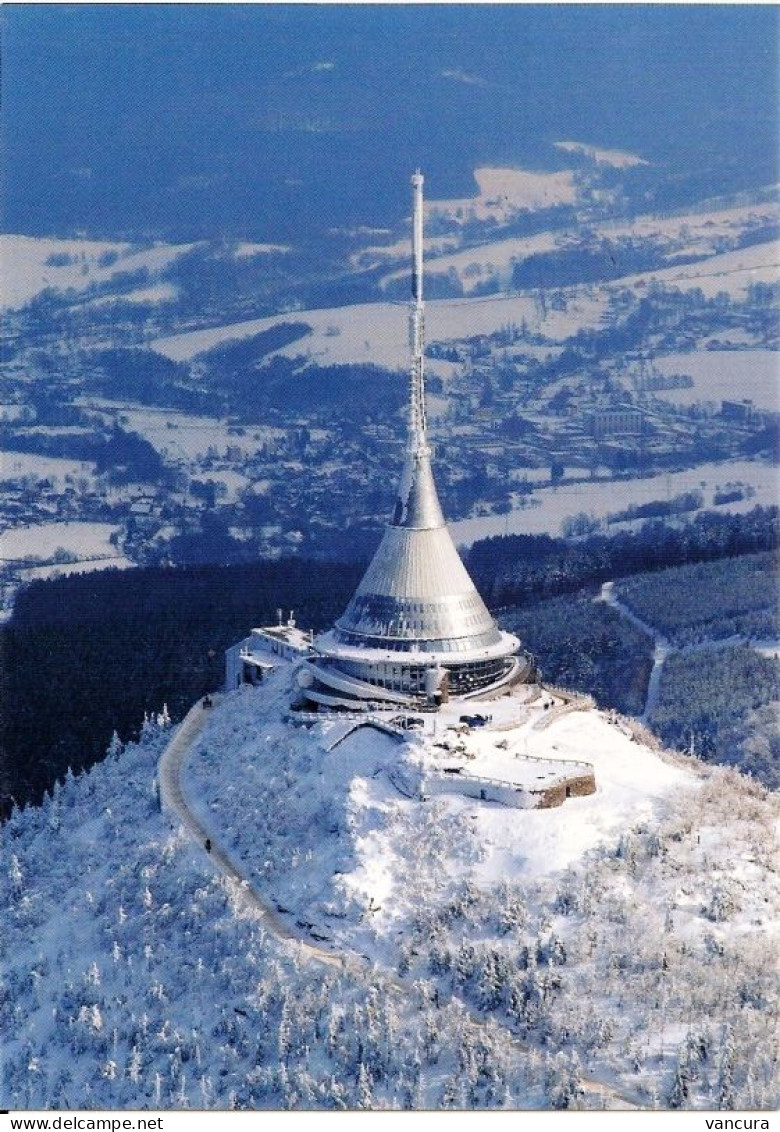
416 631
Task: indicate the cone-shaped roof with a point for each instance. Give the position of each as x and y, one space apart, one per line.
416 589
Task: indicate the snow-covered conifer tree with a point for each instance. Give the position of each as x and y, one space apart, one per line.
681 1084
365 1099
465 962
491 981
725 1085
284 1034
148 727
115 747
15 875
562 1080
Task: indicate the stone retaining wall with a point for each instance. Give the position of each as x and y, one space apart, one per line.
515 797
557 794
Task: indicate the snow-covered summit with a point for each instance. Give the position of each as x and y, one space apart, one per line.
327 814
618 950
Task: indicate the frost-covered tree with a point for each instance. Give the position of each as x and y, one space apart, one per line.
726 1094
681 1083
115 747
15 876
364 1098
562 1080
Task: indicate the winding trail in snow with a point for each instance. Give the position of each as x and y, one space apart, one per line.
661 650
172 798
169 772
663 646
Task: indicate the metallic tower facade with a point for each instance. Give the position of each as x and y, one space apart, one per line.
416 628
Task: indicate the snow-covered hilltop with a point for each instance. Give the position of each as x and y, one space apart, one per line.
333 820
616 950
475 892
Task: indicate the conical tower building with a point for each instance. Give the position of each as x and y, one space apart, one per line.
416 631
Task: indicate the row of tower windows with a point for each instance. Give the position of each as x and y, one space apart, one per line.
376 607
469 677
401 680
397 678
463 678
445 644
431 624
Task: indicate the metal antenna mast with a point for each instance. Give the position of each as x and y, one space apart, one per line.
417 423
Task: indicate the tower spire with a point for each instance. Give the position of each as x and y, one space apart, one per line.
417 422
417 504
416 629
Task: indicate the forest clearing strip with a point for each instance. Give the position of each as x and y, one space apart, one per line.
663 647
170 768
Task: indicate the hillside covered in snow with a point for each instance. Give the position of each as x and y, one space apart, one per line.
389 945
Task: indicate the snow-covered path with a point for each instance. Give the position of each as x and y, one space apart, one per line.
172 797
661 651
663 646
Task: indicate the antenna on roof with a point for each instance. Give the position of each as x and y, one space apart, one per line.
417 236
417 422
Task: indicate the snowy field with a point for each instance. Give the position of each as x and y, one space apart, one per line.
731 272
247 250
378 332
473 265
179 436
42 540
77 264
731 375
376 255
616 158
160 293
503 192
600 499
700 227
15 465
233 482
62 569
12 412
694 234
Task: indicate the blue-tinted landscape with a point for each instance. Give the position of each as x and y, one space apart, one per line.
471 870
272 122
